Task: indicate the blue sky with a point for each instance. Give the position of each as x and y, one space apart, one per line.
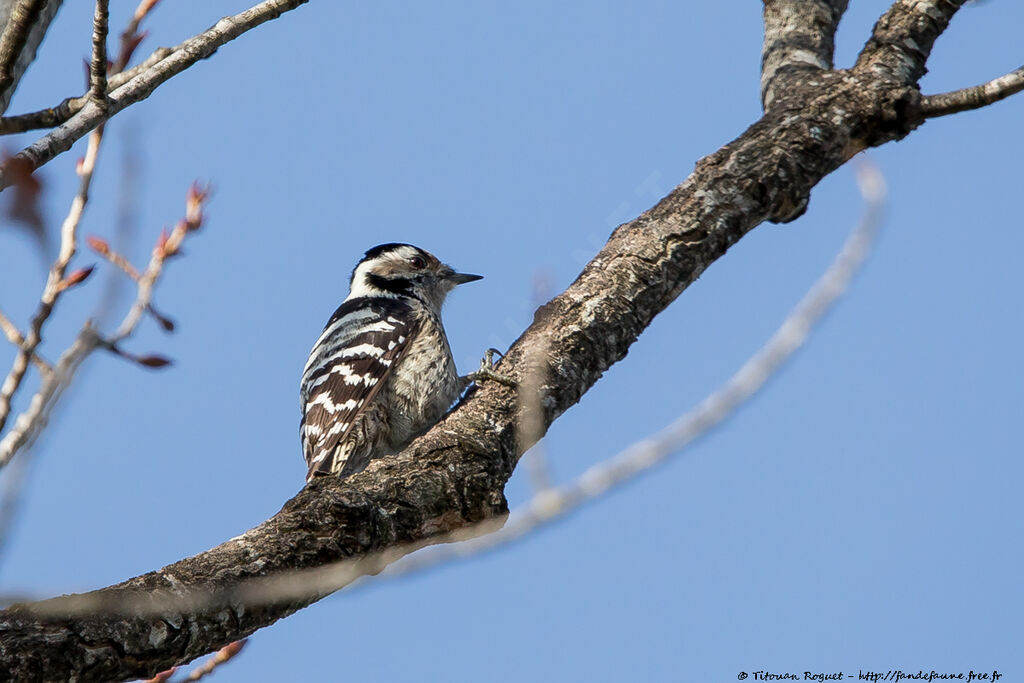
862 513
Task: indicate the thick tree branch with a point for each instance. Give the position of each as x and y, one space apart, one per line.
453 477
551 503
142 85
24 23
799 36
974 97
22 16
903 38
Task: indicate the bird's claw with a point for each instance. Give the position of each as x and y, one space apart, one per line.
486 371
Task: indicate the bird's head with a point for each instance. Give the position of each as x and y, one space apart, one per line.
404 270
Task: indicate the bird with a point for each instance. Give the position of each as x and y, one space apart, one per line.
382 373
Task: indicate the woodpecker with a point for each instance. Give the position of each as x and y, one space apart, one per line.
382 371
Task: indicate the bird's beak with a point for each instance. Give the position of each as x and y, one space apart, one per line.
463 278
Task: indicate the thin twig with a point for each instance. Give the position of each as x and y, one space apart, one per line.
130 36
101 247
14 336
974 97
52 290
34 419
167 246
117 76
56 283
139 88
32 422
225 654
11 330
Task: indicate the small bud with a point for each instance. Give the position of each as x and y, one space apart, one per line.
128 46
76 278
98 244
163 246
194 200
163 676
79 165
161 319
153 361
229 651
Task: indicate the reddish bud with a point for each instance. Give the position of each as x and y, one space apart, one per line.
98 244
24 206
162 246
77 277
128 45
153 361
229 650
194 200
163 676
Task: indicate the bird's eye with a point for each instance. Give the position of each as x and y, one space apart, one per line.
417 262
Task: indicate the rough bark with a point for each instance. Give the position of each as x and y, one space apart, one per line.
454 476
799 36
25 23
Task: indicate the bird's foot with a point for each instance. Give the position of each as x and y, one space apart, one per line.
487 371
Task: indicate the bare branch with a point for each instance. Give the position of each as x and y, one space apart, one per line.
11 330
55 116
799 36
130 36
903 38
101 247
13 334
52 290
974 97
550 504
98 64
451 479
142 85
34 419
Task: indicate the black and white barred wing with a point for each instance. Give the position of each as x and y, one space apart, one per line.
347 367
